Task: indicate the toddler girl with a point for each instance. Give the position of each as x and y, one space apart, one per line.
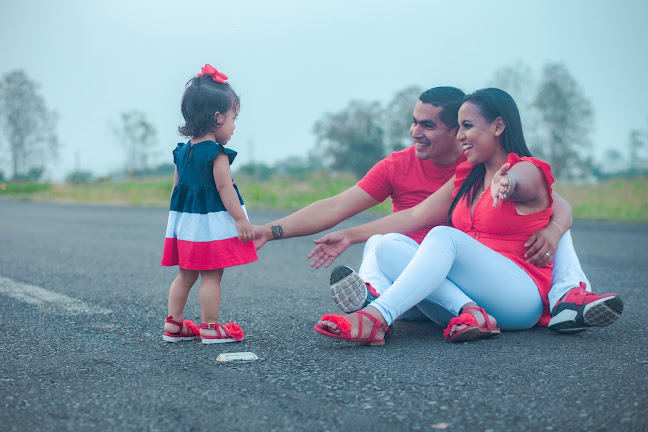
208 228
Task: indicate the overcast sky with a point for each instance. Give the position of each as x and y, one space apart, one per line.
293 61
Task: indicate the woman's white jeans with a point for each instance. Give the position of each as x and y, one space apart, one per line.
449 269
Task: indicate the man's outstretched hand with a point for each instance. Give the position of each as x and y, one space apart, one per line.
328 248
540 244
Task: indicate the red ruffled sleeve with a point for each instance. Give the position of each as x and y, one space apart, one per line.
464 170
544 167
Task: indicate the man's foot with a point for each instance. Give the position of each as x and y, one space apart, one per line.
581 309
349 291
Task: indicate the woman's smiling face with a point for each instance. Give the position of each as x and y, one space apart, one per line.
478 138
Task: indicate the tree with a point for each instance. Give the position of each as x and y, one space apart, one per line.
398 118
28 126
80 177
518 81
255 170
138 137
353 139
636 141
566 115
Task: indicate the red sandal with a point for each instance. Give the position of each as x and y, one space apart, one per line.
230 332
474 331
345 328
191 333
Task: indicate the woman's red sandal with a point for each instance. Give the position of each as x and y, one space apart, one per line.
192 332
345 329
230 332
473 331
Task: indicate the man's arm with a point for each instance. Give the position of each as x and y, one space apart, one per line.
561 221
432 211
316 217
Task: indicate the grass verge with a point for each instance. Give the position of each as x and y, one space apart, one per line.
616 200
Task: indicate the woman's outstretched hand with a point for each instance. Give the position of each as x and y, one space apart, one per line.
502 185
328 248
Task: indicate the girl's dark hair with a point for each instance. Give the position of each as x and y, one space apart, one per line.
202 98
493 103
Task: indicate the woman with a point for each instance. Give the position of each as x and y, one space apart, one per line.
497 199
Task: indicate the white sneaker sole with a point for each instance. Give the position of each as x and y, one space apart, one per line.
600 313
348 289
178 339
215 341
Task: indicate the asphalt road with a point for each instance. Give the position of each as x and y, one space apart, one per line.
82 303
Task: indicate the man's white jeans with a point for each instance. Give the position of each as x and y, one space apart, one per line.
386 256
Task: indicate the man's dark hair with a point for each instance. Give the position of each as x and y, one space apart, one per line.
449 99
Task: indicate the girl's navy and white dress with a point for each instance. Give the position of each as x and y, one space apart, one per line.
201 234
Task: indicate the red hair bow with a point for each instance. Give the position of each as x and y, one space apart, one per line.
219 77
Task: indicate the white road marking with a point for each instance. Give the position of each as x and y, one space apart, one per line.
37 296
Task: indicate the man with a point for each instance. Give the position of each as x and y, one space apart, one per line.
411 175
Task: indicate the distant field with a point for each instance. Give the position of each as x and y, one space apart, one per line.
617 200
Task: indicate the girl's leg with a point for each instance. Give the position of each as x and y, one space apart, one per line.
393 254
209 297
488 278
178 293
567 272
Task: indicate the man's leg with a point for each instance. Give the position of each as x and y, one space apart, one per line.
567 272
352 291
574 307
370 271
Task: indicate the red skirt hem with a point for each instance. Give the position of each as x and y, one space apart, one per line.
207 255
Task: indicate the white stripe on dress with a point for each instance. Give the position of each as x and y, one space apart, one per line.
198 227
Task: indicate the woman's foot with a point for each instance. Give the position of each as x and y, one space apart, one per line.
472 323
480 320
354 318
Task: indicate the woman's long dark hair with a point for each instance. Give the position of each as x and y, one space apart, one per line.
493 103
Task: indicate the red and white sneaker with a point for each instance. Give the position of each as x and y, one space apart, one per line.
582 309
349 291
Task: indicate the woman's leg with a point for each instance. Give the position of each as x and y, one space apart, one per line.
393 253
178 293
491 280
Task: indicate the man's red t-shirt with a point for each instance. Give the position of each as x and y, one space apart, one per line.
408 180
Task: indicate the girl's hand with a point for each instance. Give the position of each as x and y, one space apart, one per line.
328 248
259 237
245 230
502 185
